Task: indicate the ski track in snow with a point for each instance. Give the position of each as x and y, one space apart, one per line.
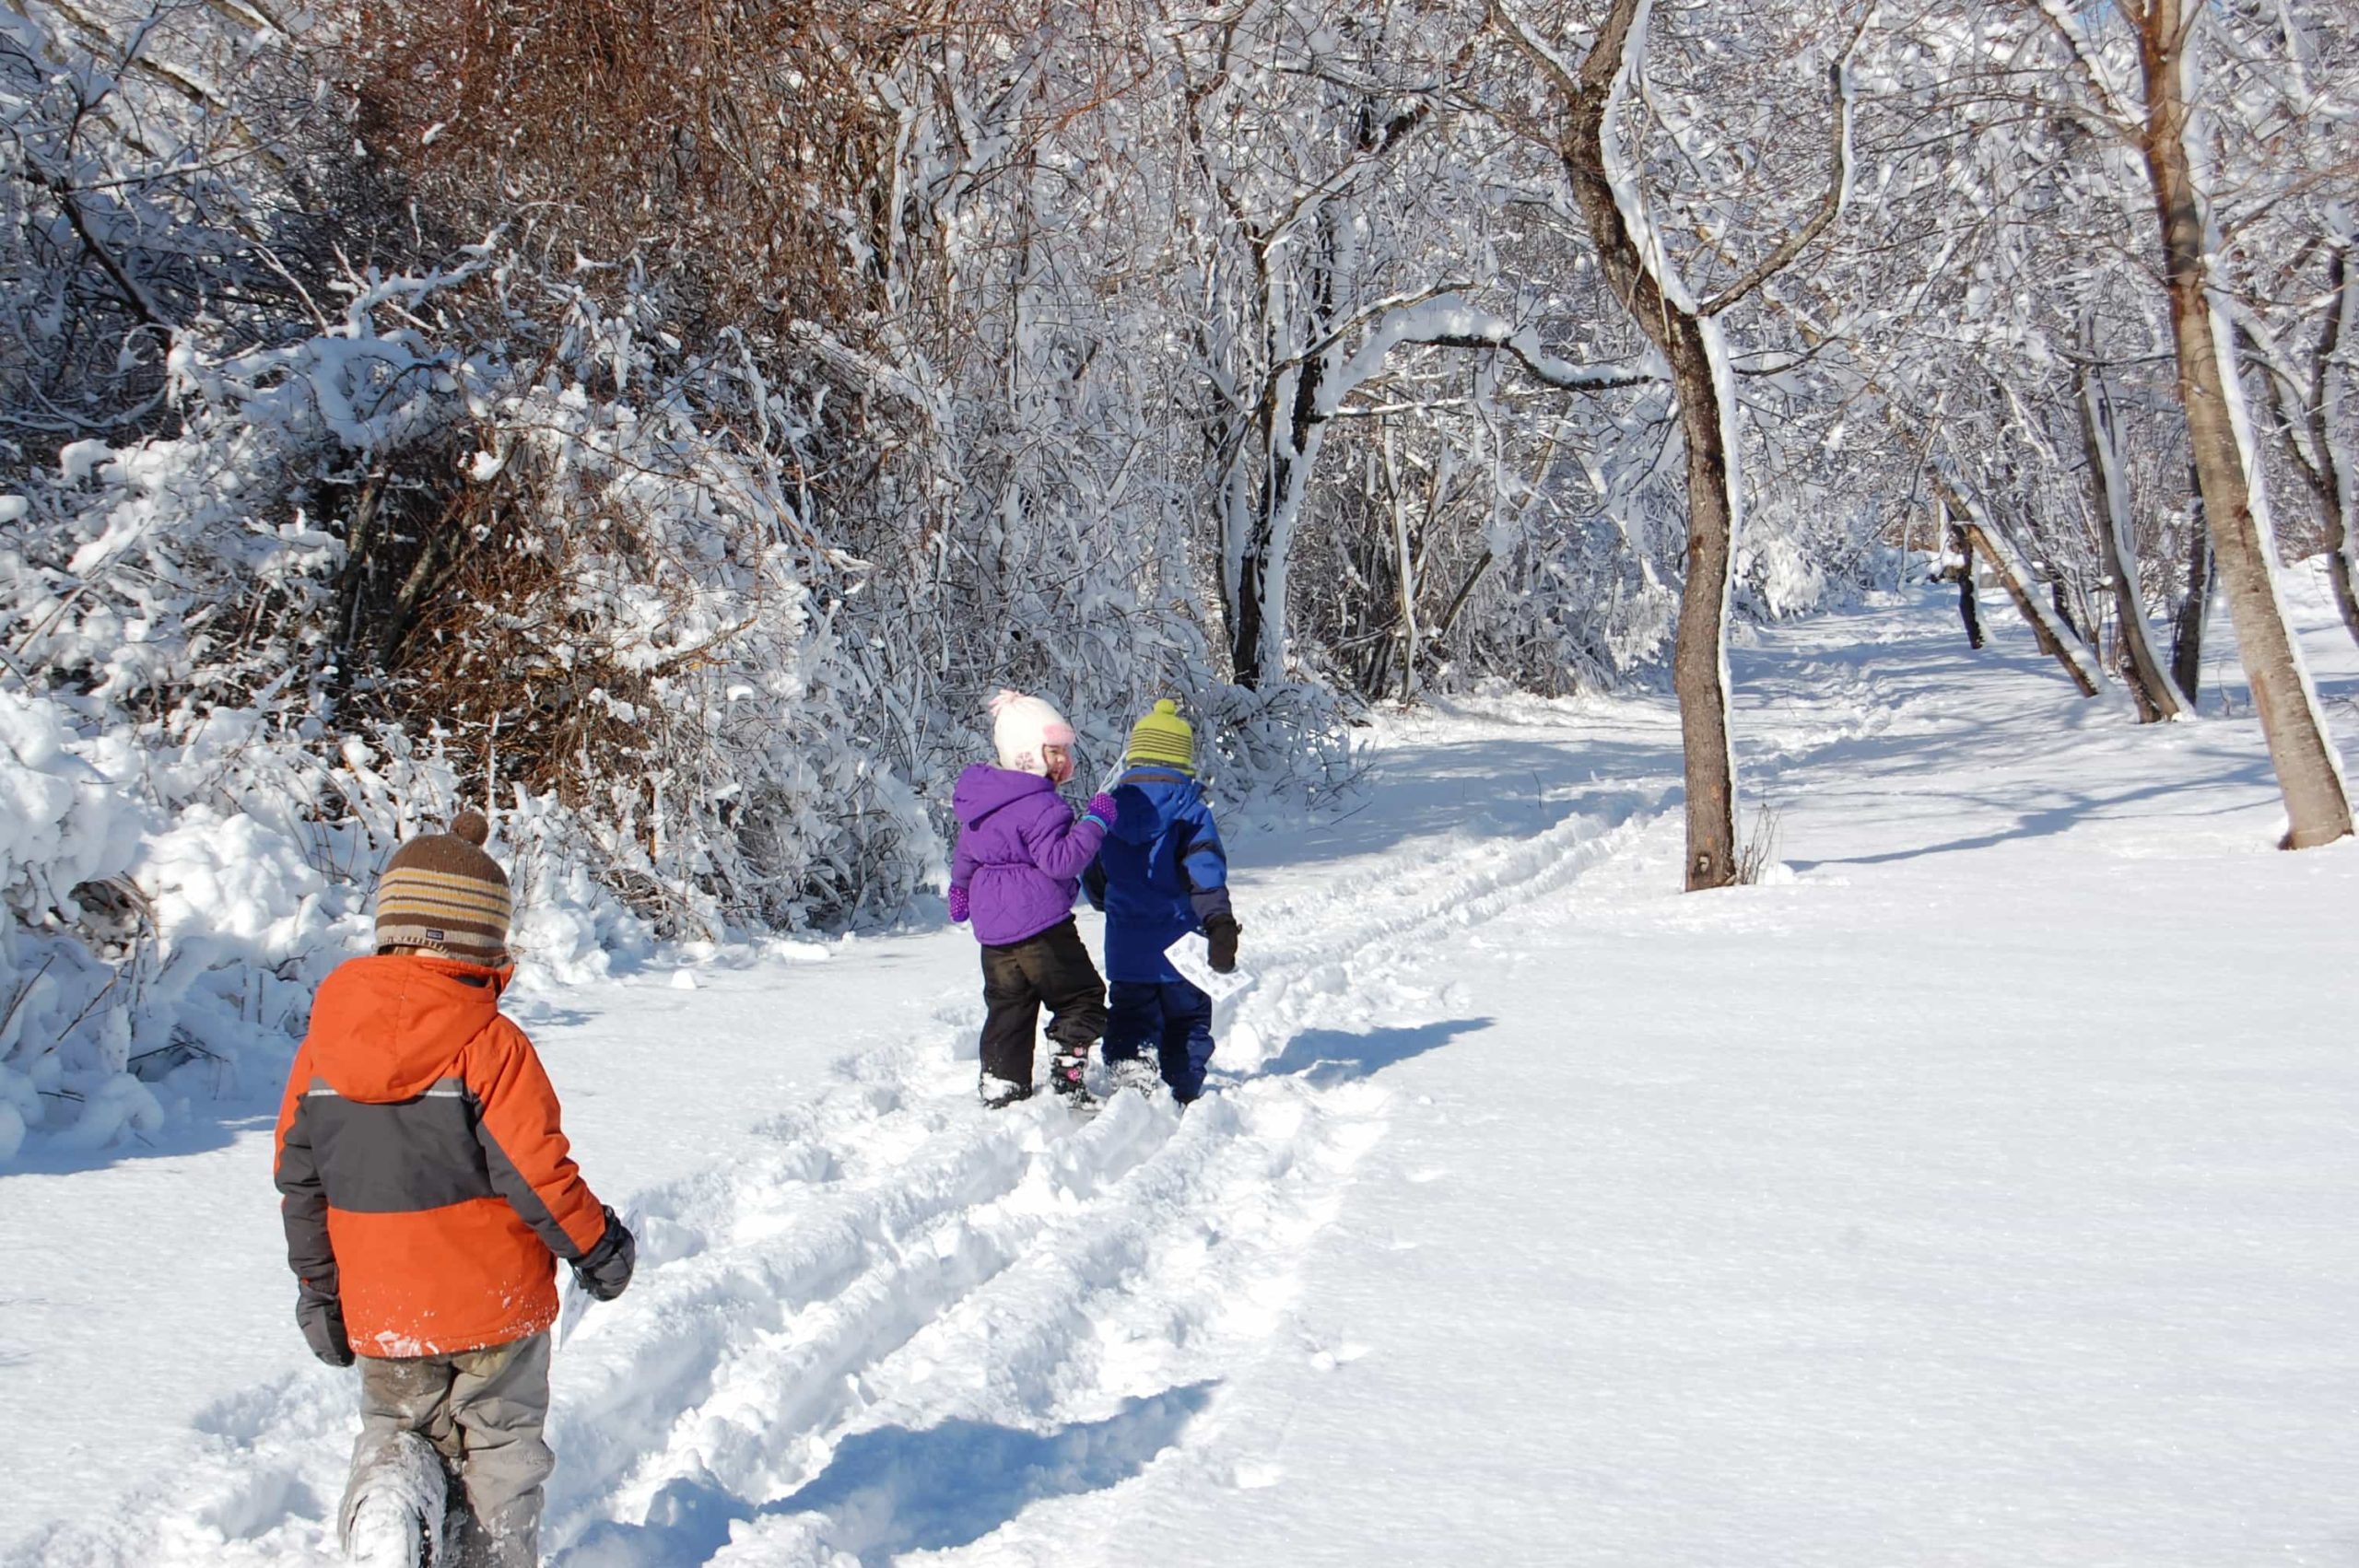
902 1321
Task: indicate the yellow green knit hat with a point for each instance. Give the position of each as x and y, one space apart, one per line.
1163 737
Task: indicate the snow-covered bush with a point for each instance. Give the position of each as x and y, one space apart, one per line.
154 936
623 653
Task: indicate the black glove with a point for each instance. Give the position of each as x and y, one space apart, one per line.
321 1317
604 1270
1220 931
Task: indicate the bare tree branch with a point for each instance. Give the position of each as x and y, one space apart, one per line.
1838 182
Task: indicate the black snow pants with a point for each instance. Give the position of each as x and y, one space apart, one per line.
1052 968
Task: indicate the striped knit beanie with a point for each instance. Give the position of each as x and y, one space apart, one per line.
1163 737
441 893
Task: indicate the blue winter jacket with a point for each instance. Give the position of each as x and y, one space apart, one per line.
1160 874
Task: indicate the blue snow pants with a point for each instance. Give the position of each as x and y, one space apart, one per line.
1171 1015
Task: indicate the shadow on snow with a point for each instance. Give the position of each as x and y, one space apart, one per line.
895 1488
2071 810
1330 1055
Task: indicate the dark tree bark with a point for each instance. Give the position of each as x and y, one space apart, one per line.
2315 459
2303 421
2059 596
1968 610
2331 483
2194 608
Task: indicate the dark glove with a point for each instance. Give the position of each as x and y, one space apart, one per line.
957 906
605 1270
1101 806
321 1317
1220 934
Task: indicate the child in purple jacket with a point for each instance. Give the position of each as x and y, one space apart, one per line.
1015 870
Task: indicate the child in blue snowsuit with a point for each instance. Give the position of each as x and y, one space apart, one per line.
1160 874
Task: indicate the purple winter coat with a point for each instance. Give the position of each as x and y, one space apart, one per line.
1020 853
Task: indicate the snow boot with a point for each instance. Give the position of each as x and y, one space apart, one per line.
396 1520
1064 1076
1137 1073
998 1092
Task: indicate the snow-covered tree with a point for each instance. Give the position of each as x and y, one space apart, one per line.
2162 106
1606 163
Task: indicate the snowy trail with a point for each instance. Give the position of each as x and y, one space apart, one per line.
890 1258
1014 1269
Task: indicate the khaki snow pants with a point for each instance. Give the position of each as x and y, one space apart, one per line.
483 1412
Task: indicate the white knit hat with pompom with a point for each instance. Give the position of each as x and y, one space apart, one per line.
1023 728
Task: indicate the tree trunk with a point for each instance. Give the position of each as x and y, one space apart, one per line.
2060 596
1968 610
2187 635
2047 628
1950 539
1245 620
1637 267
2307 434
1286 437
2318 805
2331 477
1692 344
2148 685
1258 624
1405 568
1458 600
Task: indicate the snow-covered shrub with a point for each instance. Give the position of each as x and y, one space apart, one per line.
628 622
621 643
1276 743
152 939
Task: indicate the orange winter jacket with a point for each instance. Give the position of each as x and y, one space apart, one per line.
426 1182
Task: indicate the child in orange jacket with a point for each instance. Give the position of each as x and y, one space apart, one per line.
428 1195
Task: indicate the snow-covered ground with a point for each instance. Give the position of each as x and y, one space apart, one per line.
1980 1191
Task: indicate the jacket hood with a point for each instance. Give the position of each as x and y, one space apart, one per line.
386 1028
982 789
1145 802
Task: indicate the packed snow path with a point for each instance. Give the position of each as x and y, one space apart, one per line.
1975 1193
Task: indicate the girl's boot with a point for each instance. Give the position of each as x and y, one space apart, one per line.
1064 1076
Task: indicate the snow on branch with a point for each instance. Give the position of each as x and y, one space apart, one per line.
1450 323
2063 18
1612 68
1537 50
1839 180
